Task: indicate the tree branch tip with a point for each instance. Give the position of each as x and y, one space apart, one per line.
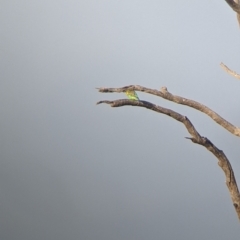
105 101
229 71
100 89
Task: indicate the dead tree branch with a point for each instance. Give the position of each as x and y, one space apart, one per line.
163 93
229 71
235 5
223 162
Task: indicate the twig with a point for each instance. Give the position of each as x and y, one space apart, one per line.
223 162
163 93
229 71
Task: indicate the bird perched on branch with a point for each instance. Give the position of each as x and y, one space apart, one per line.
132 95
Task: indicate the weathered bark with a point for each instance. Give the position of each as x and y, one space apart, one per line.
229 71
235 5
223 162
180 100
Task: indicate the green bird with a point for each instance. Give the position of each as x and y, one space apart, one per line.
132 95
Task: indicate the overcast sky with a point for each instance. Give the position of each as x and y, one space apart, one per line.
71 169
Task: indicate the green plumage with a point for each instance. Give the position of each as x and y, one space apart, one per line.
132 95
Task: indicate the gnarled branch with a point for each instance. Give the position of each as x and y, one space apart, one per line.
163 93
223 162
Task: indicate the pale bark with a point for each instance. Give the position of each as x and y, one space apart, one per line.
223 162
163 93
229 71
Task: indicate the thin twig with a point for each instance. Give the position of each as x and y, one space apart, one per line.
223 162
163 93
229 71
234 5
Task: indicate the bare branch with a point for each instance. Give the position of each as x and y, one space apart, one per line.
163 93
223 162
229 71
235 5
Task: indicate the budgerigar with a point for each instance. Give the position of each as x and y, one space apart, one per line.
132 95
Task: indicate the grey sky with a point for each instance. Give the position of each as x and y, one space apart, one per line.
74 170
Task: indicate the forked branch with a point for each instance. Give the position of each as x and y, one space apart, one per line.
223 162
163 93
